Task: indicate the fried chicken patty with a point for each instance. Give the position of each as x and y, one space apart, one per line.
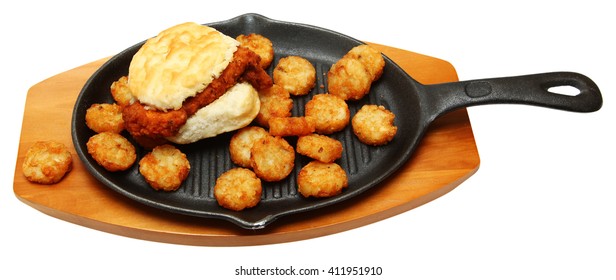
142 121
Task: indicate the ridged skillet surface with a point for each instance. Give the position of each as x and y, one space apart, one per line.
366 166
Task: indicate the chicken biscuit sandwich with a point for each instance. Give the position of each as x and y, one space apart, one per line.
192 82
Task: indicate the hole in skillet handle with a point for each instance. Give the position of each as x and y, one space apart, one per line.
564 90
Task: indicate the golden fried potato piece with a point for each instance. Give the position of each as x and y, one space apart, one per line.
259 44
295 74
272 158
348 79
112 151
319 147
241 143
371 58
164 168
105 117
275 102
46 162
320 179
238 189
374 125
329 113
120 92
291 126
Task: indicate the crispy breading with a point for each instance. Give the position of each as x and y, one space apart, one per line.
374 125
259 44
241 143
295 74
47 162
112 151
318 179
329 113
272 158
105 117
291 126
319 147
275 102
238 189
348 79
371 58
164 168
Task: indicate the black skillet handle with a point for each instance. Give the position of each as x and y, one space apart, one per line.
528 89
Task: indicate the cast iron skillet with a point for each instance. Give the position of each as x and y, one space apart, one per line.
415 106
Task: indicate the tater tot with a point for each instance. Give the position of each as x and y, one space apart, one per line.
371 58
112 151
275 102
319 147
295 74
164 168
120 92
374 125
329 113
47 162
105 117
348 79
259 44
318 179
238 189
272 158
241 143
291 126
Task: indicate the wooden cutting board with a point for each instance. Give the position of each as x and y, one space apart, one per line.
445 158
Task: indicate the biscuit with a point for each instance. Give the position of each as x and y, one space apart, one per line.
178 63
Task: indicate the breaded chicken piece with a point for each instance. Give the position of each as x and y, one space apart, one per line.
46 162
259 44
295 74
238 189
348 79
318 179
291 126
112 151
275 102
319 147
105 117
374 125
272 158
120 92
241 143
371 58
164 168
329 113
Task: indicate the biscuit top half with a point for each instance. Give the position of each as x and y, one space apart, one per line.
178 63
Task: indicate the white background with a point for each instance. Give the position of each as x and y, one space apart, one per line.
541 206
